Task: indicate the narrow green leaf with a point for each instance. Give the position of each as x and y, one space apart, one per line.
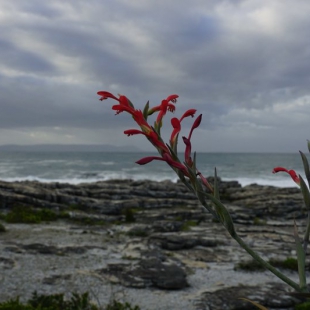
184 181
175 146
307 234
191 171
223 214
194 163
308 142
216 186
299 295
305 192
301 257
173 153
157 131
306 166
146 110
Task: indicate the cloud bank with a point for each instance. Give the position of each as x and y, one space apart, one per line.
243 64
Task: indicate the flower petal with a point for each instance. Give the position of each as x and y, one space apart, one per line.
176 129
146 160
195 125
172 98
292 173
131 132
188 151
105 95
188 113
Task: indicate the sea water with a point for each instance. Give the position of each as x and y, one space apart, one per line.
81 167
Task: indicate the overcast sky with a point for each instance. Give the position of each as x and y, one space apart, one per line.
245 65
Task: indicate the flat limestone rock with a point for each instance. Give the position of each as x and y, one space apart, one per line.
150 240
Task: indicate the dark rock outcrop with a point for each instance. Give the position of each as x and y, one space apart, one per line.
271 295
151 272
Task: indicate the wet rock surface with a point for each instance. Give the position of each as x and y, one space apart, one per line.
149 240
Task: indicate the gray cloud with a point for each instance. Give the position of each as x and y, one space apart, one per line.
243 64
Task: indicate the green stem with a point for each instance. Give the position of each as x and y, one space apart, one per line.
234 235
275 271
307 233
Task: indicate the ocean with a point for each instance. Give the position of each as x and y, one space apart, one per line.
81 167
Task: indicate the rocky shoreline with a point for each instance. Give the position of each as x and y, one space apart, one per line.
147 242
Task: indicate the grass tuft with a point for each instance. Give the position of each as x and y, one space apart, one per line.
59 302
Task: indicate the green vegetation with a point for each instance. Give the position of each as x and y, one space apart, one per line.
76 206
129 215
259 222
288 263
2 228
116 305
26 214
51 302
30 215
303 306
138 232
188 224
251 265
58 302
179 218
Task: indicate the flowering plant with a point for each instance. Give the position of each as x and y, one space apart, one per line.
192 178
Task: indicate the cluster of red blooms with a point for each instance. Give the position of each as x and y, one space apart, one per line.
167 152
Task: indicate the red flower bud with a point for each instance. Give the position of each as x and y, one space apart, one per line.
188 113
195 125
131 132
292 173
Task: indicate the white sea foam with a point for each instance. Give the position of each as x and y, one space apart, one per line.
123 176
78 168
280 182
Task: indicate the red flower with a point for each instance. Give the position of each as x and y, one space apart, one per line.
105 95
190 112
292 173
176 124
187 141
205 182
195 125
140 120
157 142
172 98
167 158
162 111
124 105
157 108
170 107
152 136
165 105
131 132
188 151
